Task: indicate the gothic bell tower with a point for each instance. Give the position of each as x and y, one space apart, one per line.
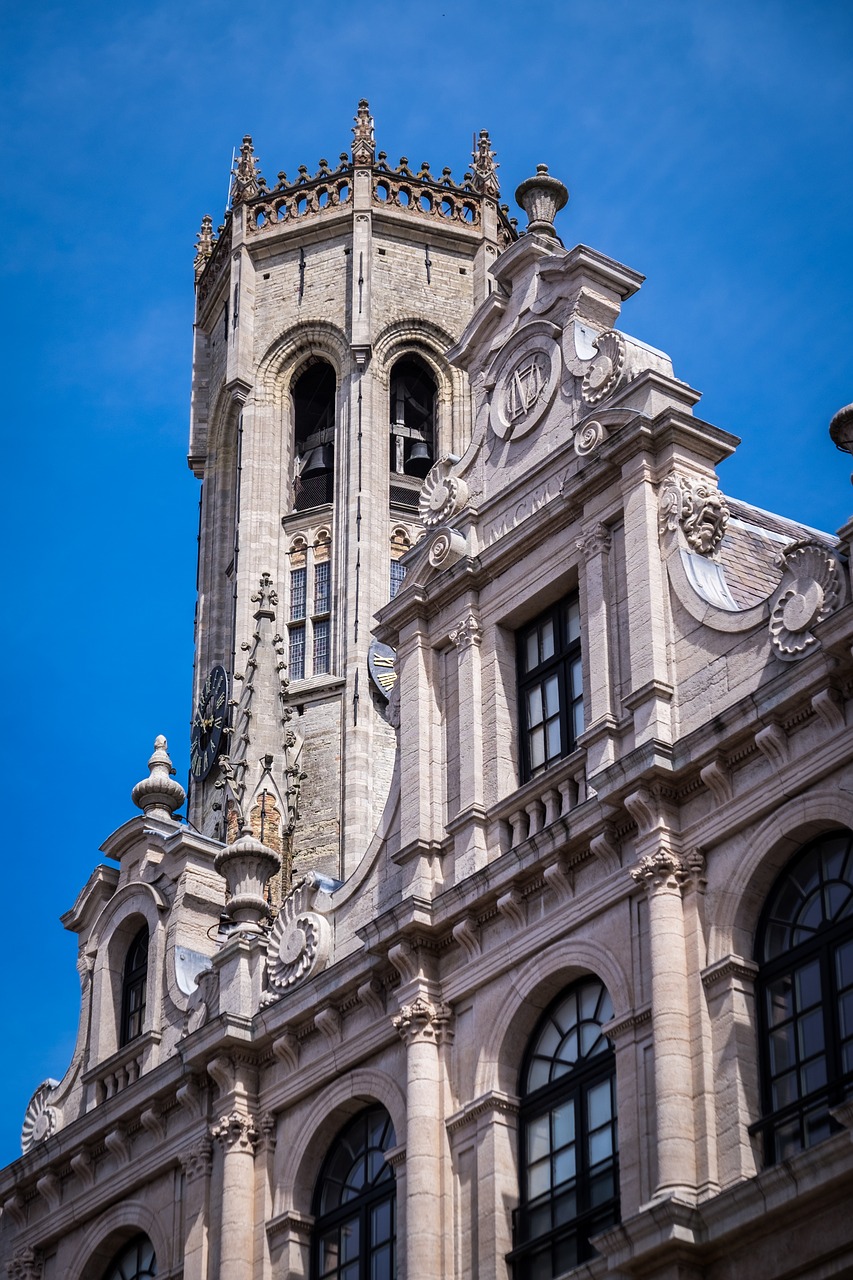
321 399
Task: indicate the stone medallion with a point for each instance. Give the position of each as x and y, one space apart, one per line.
525 383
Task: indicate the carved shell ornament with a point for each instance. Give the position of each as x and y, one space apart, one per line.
40 1120
300 939
605 372
442 494
810 591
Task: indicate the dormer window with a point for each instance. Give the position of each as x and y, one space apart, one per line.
133 988
314 436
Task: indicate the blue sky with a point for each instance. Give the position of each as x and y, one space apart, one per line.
707 144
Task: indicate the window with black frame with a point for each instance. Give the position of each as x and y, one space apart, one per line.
355 1228
804 949
550 686
135 1261
133 988
568 1148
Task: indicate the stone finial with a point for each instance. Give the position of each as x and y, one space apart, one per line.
541 198
246 182
484 171
246 866
204 245
158 796
841 430
363 139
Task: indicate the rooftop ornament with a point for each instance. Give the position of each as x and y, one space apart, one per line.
541 198
841 430
158 795
484 171
363 139
246 866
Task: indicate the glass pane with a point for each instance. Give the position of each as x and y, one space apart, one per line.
788 1140
785 1090
298 578
600 1146
601 1188
807 982
810 1033
565 1208
551 693
350 1240
569 1048
546 633
565 1255
563 1121
531 651
817 1128
598 1105
540 1266
782 1049
813 1075
350 1271
845 1015
380 1264
538 1179
538 1074
577 719
380 1223
780 1004
329 1253
844 965
554 738
573 619
564 1166
549 1040
534 706
537 748
538 1139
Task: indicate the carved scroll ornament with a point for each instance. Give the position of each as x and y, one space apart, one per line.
810 590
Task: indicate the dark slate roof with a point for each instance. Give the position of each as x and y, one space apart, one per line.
751 551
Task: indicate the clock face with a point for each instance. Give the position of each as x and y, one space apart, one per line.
209 723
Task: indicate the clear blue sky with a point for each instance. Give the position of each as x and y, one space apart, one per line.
707 144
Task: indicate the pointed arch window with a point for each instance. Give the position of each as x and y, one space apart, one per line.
804 949
355 1228
313 394
135 1261
412 414
568 1148
134 988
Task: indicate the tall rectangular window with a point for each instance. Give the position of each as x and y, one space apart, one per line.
298 584
321 647
296 654
322 586
550 686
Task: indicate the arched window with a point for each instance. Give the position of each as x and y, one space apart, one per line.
313 395
412 418
568 1151
354 1204
135 1261
133 988
804 949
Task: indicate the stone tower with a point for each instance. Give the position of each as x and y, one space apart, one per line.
321 399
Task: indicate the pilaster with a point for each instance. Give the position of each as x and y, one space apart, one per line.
651 691
469 830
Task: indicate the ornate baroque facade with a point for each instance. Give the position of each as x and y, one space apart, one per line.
511 931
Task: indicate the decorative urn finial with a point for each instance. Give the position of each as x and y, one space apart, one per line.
158 796
246 866
841 430
541 198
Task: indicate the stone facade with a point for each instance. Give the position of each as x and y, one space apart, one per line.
575 846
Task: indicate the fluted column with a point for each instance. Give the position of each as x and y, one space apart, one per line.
197 1162
661 874
237 1135
424 1027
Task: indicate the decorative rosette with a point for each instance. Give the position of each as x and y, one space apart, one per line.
605 372
40 1120
442 494
809 592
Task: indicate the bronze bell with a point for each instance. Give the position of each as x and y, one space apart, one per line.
419 460
318 461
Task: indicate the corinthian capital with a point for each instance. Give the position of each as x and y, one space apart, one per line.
421 1020
466 632
659 870
236 1132
197 1160
27 1264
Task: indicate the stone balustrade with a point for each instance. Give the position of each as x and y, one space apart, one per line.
542 801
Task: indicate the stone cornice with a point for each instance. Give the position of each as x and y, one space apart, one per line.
490 1104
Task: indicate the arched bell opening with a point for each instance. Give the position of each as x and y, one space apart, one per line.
313 394
412 418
